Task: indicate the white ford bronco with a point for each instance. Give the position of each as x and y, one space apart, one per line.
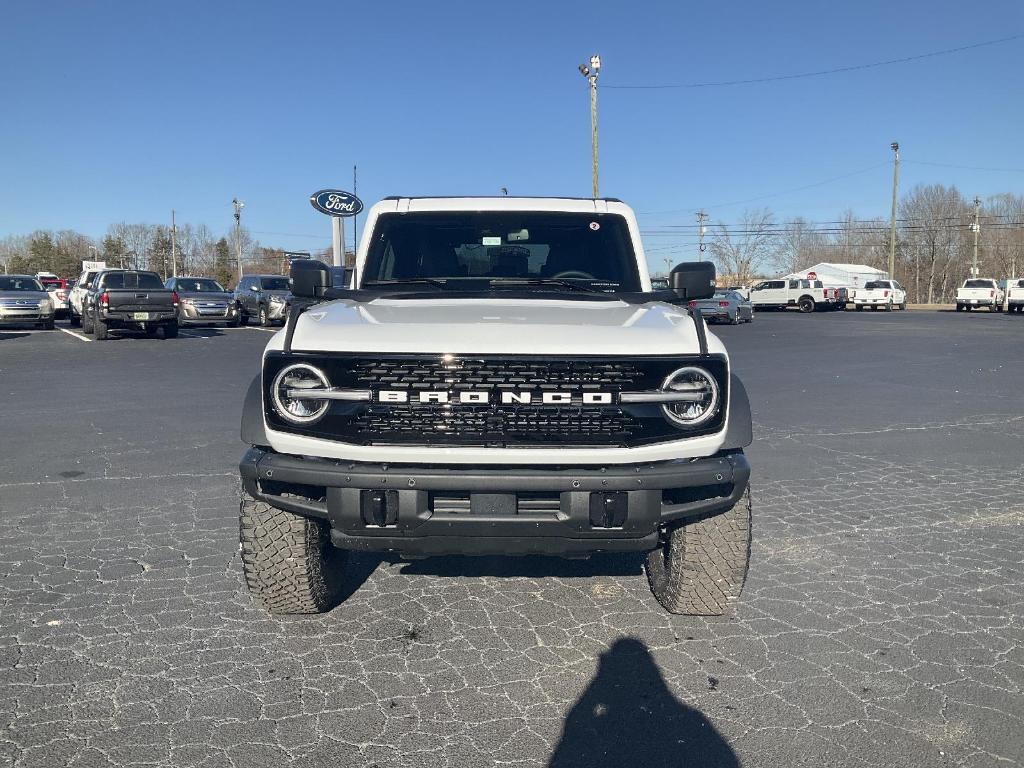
498 378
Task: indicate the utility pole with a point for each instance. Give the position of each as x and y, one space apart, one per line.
977 228
174 246
892 222
591 74
239 205
701 229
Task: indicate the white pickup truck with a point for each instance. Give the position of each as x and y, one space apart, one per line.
880 294
497 379
979 292
1015 295
806 295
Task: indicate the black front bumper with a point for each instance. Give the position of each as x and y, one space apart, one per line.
422 510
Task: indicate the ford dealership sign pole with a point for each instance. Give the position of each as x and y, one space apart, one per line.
338 205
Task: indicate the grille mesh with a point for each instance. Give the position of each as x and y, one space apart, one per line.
488 425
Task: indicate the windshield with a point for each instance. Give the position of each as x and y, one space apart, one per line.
275 283
593 250
8 283
978 284
147 280
191 285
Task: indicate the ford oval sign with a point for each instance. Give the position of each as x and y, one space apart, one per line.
334 202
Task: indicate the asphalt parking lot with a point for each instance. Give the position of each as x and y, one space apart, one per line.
882 623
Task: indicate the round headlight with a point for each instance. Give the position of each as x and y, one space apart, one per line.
701 396
291 395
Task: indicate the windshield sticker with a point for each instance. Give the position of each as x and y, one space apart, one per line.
595 226
491 241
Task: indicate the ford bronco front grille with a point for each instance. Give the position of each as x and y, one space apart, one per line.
500 401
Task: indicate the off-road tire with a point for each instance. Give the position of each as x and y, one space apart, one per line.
702 564
86 324
100 330
289 562
806 305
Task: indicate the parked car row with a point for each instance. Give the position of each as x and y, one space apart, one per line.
105 300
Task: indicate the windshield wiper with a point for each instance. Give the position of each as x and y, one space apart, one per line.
546 281
408 281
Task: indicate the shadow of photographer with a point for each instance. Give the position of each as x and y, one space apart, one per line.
628 717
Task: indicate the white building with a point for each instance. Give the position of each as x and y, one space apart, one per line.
841 275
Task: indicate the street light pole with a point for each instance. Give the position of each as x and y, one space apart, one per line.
239 205
174 246
892 223
591 72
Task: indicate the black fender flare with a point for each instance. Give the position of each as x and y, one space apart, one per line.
739 432
254 431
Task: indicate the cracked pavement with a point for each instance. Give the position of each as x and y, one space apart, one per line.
882 623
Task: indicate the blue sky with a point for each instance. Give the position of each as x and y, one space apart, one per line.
124 110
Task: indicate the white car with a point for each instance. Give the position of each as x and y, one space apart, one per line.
880 294
802 293
499 381
979 292
1015 295
77 293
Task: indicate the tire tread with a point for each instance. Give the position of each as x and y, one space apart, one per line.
289 563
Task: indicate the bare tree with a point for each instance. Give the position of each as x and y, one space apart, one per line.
934 222
743 252
799 247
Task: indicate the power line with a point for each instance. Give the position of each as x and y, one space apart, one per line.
773 194
821 72
966 167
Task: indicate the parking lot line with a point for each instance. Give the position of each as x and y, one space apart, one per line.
78 336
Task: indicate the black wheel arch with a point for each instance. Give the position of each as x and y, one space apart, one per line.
254 431
739 433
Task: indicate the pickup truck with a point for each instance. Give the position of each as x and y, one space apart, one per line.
979 292
806 295
499 379
1015 295
129 300
880 294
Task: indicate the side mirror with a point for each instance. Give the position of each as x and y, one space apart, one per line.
309 279
693 280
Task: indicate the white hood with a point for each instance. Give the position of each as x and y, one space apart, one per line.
497 326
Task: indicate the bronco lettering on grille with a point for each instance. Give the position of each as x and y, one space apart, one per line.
471 397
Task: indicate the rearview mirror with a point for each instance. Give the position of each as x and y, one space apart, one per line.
309 279
693 280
